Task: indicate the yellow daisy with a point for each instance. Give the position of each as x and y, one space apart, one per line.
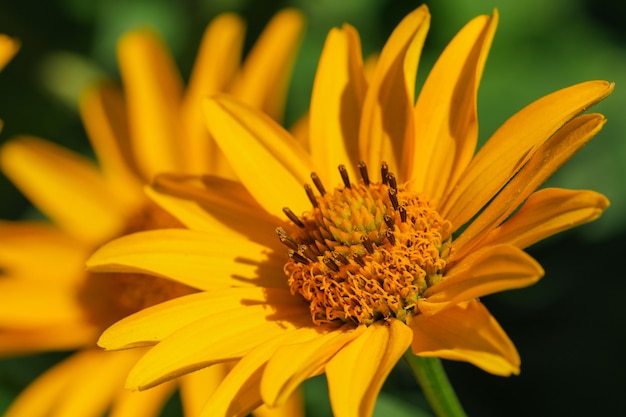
47 300
400 228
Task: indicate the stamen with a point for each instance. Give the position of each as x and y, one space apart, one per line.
298 258
393 196
339 257
389 221
402 211
364 174
331 264
344 175
318 183
392 181
309 193
367 243
292 216
356 258
308 252
384 170
285 239
391 237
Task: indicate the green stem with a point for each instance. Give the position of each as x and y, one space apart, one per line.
434 382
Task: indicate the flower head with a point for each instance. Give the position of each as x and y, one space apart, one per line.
382 238
47 300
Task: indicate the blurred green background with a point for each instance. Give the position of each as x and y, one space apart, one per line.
570 328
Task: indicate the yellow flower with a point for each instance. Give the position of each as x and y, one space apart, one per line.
47 300
8 48
395 256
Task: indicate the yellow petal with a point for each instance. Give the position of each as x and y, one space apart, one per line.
239 393
486 271
197 386
8 49
47 337
215 68
141 403
103 111
65 186
153 90
292 407
157 322
338 93
357 372
548 158
513 144
387 117
227 207
21 242
545 213
217 338
264 76
466 332
446 124
290 365
198 259
269 162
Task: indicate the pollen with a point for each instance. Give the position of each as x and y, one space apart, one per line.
366 251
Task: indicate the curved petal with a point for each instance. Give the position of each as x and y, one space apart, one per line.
153 90
446 123
214 70
141 403
157 322
466 332
239 393
54 179
545 213
21 242
357 372
8 49
513 144
387 117
269 162
221 337
486 271
47 337
290 365
264 76
336 101
548 158
200 260
103 111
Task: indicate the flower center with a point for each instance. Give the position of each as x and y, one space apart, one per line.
108 297
366 251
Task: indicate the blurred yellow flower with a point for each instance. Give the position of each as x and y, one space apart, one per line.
8 48
47 300
384 261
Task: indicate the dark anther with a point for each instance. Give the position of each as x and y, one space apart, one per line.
384 170
389 221
367 244
331 264
298 258
344 175
364 174
339 257
285 239
391 179
309 193
358 260
318 183
292 216
390 236
402 211
393 196
308 252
